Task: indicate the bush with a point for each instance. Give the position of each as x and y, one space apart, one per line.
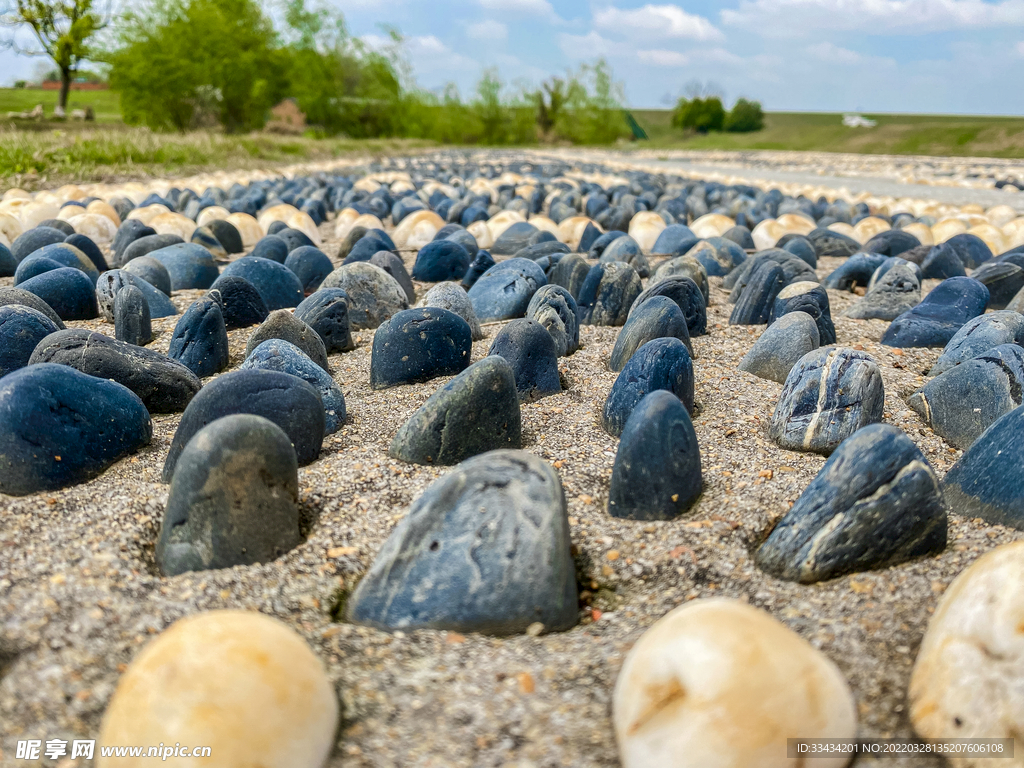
699 114
744 117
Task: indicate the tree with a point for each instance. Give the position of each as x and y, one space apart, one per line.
550 100
699 114
190 64
62 29
744 117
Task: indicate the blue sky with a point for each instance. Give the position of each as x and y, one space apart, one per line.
936 56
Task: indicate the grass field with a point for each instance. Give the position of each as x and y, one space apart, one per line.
39 159
105 104
895 134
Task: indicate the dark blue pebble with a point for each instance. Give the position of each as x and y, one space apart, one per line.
656 474
812 299
987 482
482 262
657 317
554 307
1003 280
440 260
418 345
21 329
891 242
437 571
855 271
200 338
59 427
758 298
608 293
570 273
32 240
830 394
113 280
504 291
310 265
9 295
152 271
129 231
971 249
528 347
271 247
326 312
90 249
393 265
281 355
282 324
227 235
242 304
686 294
663 363
513 239
875 503
832 244
189 265
277 285
941 262
8 264
288 401
144 246
979 335
132 323
934 321
67 290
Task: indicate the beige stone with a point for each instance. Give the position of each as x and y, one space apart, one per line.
867 228
644 227
212 213
968 680
239 682
98 228
710 225
173 224
249 229
719 684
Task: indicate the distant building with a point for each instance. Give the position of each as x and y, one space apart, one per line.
858 121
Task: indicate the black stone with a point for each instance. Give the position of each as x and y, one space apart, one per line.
242 304
660 364
528 347
282 324
326 312
132 323
418 345
21 329
200 338
810 298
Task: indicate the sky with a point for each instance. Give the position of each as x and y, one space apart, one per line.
904 56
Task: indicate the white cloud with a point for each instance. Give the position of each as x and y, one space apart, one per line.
657 21
1019 48
541 9
834 54
487 30
663 58
590 46
426 53
791 18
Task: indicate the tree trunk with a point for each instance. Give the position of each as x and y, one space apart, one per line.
65 87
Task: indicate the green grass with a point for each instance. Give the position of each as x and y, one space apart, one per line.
939 135
38 159
105 104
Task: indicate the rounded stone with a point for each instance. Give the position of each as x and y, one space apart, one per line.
979 335
482 262
272 248
129 231
132 323
687 296
11 296
418 345
277 285
656 474
264 697
875 503
855 271
942 313
810 298
112 281
685 266
282 324
627 250
143 246
393 265
1003 280
233 499
504 291
656 318
513 239
440 260
674 240
152 271
608 294
200 338
310 265
242 304
486 548
721 683
570 273
782 345
279 355
68 291
452 297
889 296
189 265
326 312
830 394
227 235
554 307
164 385
529 349
967 680
475 412
288 401
204 236
21 329
32 240
664 364
59 427
755 303
373 294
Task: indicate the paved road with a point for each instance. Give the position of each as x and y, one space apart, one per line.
874 185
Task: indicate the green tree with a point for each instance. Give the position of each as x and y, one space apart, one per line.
62 29
593 110
183 65
744 117
701 114
550 99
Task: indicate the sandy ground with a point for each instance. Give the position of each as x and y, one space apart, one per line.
80 596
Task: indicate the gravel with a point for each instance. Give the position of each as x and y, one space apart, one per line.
80 594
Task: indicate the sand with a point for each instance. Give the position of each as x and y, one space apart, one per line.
80 595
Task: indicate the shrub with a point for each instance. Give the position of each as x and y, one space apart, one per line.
699 114
744 117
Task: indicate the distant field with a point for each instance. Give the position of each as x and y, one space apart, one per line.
106 104
895 134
